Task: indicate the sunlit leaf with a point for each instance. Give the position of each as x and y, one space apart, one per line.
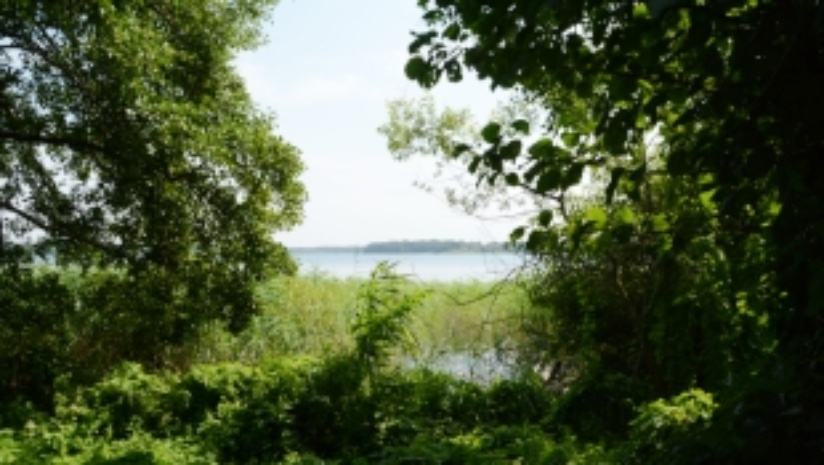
596 214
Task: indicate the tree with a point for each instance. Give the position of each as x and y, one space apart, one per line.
128 143
730 93
418 128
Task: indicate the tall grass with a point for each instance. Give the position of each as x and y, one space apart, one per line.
312 315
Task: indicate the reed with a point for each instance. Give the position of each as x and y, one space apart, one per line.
312 315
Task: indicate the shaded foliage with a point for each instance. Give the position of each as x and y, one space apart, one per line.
700 263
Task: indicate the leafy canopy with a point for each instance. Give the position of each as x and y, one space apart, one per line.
127 140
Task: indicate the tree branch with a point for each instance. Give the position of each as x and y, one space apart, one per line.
76 144
58 230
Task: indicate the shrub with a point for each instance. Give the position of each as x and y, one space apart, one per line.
669 431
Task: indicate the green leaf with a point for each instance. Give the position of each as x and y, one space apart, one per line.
517 234
640 11
473 165
534 171
596 214
512 179
535 240
550 180
511 150
452 31
521 126
420 41
571 139
660 223
545 218
460 149
543 148
416 69
491 133
493 159
573 175
581 231
706 199
625 215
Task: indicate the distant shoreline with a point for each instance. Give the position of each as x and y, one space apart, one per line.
412 247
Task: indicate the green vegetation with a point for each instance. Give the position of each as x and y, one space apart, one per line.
129 148
696 262
674 311
351 403
311 315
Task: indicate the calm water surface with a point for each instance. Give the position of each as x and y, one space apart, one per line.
488 266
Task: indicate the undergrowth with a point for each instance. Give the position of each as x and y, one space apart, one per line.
351 406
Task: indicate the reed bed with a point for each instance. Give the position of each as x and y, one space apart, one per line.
312 315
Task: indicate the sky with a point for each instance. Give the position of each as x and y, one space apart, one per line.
327 71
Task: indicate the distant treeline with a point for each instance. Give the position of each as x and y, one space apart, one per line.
432 246
422 246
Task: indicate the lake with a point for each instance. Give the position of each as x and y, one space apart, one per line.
485 266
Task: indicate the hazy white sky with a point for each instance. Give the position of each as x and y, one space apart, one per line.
327 71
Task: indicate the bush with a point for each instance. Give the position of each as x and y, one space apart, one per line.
670 431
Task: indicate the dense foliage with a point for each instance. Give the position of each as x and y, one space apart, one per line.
700 264
352 406
130 149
